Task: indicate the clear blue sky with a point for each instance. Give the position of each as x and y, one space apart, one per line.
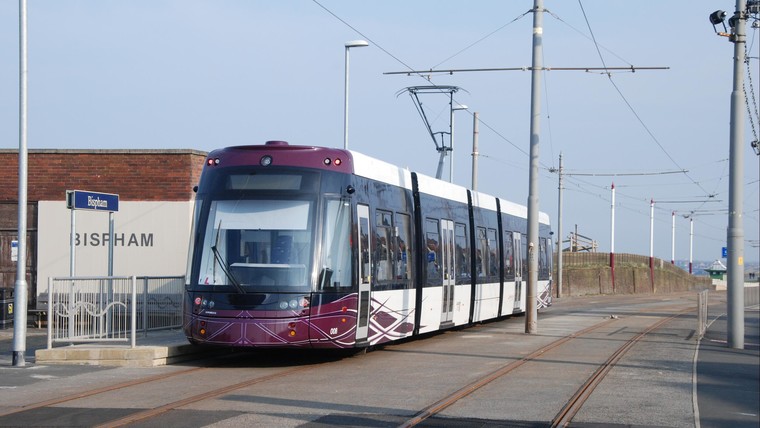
205 74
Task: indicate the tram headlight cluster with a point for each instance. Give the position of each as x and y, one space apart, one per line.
300 302
204 303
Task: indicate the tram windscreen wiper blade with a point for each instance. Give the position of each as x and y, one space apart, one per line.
223 264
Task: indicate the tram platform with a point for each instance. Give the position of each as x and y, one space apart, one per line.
157 348
721 382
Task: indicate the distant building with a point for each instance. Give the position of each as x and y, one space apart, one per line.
152 226
717 271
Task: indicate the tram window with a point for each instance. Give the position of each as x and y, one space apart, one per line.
481 252
549 258
336 266
364 271
403 234
383 246
261 244
493 253
509 256
542 258
432 242
462 253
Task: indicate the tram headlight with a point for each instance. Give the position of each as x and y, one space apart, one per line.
293 303
283 305
265 160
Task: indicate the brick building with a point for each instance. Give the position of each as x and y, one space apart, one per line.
155 189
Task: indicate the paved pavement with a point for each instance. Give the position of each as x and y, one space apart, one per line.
709 385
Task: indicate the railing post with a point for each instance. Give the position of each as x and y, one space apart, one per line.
145 307
71 309
702 314
134 311
50 314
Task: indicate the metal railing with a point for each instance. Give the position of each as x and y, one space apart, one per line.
159 302
111 309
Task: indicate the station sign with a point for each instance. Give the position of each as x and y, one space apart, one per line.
724 252
93 201
14 250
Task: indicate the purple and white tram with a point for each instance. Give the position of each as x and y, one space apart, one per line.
297 246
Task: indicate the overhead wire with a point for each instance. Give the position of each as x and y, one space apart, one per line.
627 103
481 39
578 183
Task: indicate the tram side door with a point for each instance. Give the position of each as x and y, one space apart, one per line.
365 272
448 269
518 260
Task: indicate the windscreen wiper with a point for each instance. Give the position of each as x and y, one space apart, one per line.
223 264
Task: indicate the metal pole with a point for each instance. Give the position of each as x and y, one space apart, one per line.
21 289
451 137
560 188
475 133
735 232
531 312
345 102
110 243
348 45
72 243
109 317
651 242
673 239
612 236
691 243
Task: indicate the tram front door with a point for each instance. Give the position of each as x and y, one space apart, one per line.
449 271
517 248
365 269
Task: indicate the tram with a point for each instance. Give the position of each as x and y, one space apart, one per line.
301 246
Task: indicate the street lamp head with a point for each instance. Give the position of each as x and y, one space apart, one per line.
717 17
356 44
459 107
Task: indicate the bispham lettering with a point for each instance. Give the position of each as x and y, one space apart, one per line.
119 239
96 202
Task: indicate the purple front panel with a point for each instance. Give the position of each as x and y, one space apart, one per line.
283 155
332 325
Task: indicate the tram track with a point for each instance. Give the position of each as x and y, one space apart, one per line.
574 405
243 375
206 395
576 401
215 363
101 390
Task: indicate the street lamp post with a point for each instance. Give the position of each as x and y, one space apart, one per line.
349 45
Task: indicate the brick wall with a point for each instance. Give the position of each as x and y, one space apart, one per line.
135 175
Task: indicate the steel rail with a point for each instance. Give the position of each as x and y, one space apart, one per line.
447 401
151 413
574 405
101 390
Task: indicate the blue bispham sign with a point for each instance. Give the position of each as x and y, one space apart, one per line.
93 201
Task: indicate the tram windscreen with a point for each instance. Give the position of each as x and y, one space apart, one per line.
258 245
